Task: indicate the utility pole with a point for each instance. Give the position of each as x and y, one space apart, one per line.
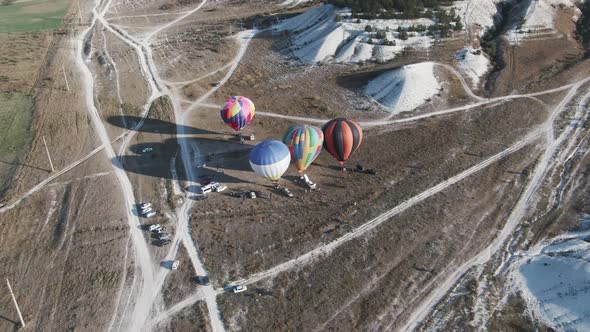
48 156
20 316
79 14
65 77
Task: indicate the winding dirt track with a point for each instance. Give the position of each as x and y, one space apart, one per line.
151 282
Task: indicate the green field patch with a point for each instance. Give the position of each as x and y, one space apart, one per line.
16 114
31 15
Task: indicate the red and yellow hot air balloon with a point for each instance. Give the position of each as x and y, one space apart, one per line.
238 112
342 137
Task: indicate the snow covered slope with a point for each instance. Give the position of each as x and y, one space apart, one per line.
406 88
479 13
538 21
554 279
473 63
316 36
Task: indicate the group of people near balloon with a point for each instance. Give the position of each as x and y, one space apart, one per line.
301 144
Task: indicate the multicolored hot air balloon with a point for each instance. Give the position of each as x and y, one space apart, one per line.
270 159
341 138
305 144
237 112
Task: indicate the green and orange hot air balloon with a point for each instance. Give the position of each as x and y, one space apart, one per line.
305 144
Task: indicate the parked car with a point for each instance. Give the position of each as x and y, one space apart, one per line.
308 182
145 205
162 236
175 265
219 188
154 227
150 214
206 189
199 197
146 150
161 243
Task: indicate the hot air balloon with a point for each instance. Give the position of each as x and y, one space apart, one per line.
270 159
237 112
341 138
305 144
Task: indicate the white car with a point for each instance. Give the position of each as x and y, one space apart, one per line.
146 210
239 289
308 182
219 188
146 150
150 214
175 265
155 227
145 205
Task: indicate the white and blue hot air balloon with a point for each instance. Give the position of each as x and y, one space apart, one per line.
270 159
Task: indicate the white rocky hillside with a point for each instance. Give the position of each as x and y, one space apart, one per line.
554 280
404 89
319 36
473 63
538 20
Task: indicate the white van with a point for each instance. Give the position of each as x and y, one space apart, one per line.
206 189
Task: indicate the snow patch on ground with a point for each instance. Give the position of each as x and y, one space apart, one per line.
554 279
473 63
317 37
406 88
478 13
293 3
538 21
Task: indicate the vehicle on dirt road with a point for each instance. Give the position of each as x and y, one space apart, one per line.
203 280
175 265
361 169
237 194
284 190
239 289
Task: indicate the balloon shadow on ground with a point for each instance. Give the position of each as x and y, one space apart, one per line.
213 158
150 125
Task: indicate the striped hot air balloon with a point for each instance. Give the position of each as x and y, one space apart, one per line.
237 112
305 144
341 138
270 159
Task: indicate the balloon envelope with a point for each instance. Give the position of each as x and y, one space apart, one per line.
342 137
237 112
305 144
270 159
